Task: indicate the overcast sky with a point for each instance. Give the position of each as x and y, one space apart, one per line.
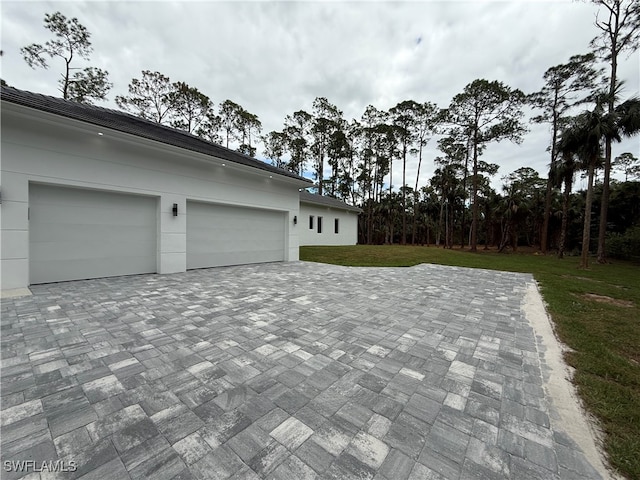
274 58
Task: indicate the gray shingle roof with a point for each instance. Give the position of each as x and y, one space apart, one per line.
124 122
307 197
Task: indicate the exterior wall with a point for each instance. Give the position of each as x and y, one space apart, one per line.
348 225
41 148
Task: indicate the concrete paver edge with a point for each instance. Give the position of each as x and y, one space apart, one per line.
574 420
14 293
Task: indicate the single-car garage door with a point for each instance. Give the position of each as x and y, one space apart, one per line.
226 235
76 234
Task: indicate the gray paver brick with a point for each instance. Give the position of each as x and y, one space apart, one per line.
268 459
333 437
192 448
91 457
315 456
442 465
353 413
368 449
249 442
291 401
112 470
347 466
164 465
291 433
221 428
24 434
293 467
208 411
134 434
397 465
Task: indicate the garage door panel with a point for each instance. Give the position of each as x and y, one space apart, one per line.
225 235
53 270
133 235
86 249
76 234
86 215
238 257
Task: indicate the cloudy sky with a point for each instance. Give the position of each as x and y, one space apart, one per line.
274 58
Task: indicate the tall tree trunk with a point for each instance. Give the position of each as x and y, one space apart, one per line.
391 222
452 224
446 226
544 237
463 219
390 174
369 221
568 180
487 226
474 212
586 230
415 199
65 86
403 240
604 204
375 181
506 236
547 214
464 195
440 223
319 165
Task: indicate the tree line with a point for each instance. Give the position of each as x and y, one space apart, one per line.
580 101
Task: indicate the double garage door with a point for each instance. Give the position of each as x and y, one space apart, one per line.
77 234
226 235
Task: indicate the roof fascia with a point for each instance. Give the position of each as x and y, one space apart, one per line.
349 208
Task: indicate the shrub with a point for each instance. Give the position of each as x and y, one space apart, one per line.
626 245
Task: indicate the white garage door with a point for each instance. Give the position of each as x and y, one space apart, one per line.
76 234
224 235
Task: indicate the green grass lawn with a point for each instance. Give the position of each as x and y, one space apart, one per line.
596 313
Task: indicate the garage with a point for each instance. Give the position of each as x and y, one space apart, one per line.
89 192
77 233
230 235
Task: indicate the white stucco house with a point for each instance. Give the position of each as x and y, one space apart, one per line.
327 221
89 192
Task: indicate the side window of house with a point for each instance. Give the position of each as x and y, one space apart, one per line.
310 222
336 225
319 224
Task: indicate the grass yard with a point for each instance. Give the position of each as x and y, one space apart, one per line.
596 313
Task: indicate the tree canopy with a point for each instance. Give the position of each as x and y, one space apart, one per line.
71 40
358 160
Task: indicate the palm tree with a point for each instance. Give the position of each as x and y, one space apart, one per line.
508 210
584 137
625 122
563 172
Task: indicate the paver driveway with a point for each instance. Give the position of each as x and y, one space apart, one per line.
284 371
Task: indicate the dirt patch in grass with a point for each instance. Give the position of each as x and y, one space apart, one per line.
574 277
609 300
581 278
